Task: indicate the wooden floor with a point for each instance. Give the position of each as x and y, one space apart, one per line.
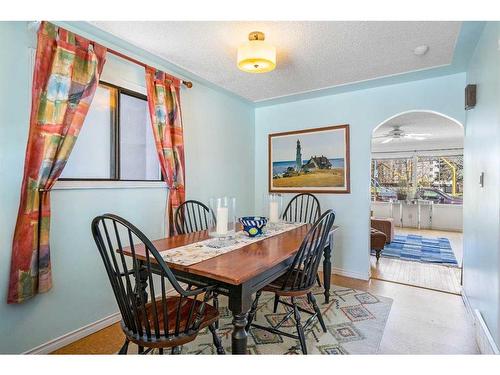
421 322
425 275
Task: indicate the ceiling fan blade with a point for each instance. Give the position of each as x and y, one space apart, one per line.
387 140
380 136
418 135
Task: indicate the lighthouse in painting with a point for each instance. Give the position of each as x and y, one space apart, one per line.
298 157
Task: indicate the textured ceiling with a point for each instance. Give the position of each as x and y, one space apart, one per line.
311 55
444 133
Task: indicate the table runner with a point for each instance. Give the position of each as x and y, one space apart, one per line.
199 251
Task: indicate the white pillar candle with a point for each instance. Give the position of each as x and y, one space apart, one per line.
222 216
273 212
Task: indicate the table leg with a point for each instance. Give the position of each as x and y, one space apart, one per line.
239 336
141 286
327 270
239 304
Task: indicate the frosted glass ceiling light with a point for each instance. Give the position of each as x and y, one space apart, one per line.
256 56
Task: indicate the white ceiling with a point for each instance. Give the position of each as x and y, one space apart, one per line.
444 133
311 55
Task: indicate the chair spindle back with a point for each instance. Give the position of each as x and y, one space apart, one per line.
192 216
148 314
301 274
303 208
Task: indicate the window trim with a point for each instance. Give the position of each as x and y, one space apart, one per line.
106 184
114 158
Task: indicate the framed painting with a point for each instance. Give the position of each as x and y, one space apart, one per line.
311 160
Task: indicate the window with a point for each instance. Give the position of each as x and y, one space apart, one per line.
138 157
392 172
90 158
116 141
443 173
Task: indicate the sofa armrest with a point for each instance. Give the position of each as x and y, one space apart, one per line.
386 226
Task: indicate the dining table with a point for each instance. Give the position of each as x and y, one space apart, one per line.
238 274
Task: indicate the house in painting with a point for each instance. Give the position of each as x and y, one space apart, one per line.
317 162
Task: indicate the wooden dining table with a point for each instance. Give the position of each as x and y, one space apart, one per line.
240 273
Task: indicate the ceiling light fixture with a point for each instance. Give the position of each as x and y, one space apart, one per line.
256 56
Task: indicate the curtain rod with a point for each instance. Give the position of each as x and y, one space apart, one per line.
188 84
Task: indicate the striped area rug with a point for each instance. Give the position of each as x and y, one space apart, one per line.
421 249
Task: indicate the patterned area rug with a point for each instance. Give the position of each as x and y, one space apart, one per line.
355 322
420 249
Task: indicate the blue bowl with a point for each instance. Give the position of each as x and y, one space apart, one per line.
253 225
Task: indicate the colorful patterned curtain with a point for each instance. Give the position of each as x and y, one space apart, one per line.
67 70
165 110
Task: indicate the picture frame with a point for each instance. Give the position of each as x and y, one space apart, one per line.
313 160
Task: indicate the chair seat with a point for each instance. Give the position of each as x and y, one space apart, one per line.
281 284
210 314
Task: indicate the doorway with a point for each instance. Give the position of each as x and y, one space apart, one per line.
416 201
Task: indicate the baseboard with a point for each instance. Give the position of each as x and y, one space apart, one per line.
353 275
82 332
484 339
468 307
75 335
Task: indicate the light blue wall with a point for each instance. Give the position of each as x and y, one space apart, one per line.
363 110
219 151
482 205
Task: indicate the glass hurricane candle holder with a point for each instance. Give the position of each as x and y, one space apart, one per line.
224 209
274 208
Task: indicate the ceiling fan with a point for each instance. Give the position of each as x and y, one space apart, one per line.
398 133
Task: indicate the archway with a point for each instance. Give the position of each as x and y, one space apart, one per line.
416 188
